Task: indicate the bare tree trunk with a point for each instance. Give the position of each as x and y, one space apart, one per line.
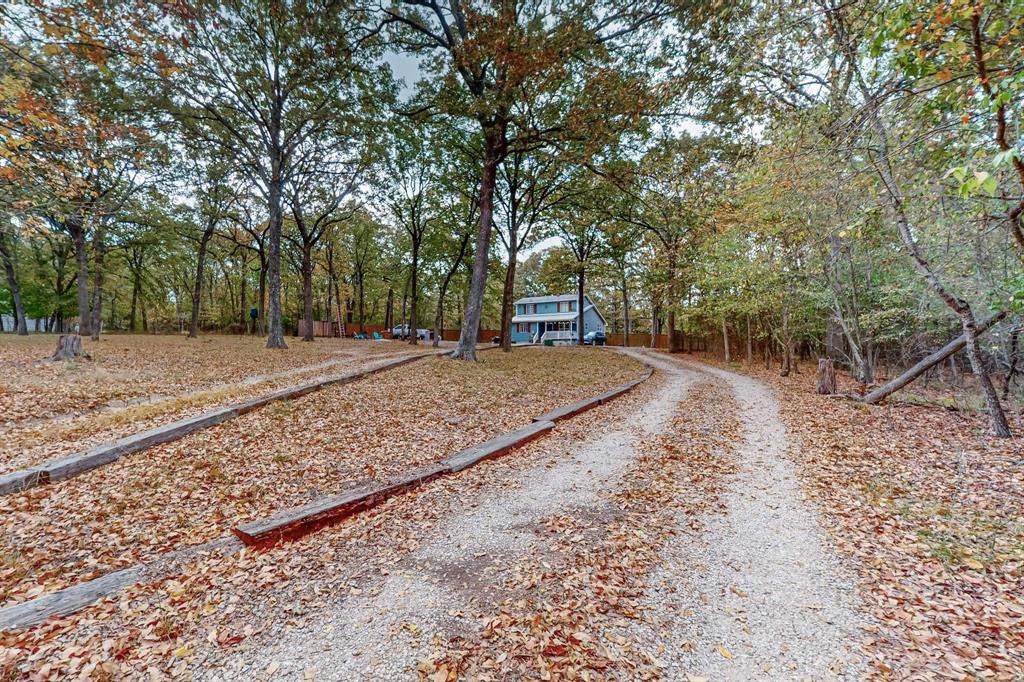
507 294
243 302
262 307
275 334
581 283
725 340
493 150
96 323
414 294
750 345
76 228
826 376
947 351
1012 360
655 309
625 313
136 290
307 291
69 347
197 291
12 283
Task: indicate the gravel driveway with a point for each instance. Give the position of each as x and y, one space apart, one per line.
758 596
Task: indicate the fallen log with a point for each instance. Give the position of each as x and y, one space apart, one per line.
954 346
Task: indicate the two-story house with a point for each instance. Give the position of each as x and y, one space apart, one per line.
553 316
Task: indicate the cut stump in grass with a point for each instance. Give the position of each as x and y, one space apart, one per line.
826 376
69 347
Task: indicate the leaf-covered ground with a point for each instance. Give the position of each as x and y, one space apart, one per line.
930 510
217 610
127 367
570 610
286 454
29 442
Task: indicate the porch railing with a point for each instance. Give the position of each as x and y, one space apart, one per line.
558 336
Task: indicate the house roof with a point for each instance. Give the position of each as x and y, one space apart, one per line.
548 299
546 317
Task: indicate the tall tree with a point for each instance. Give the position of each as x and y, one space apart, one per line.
531 74
258 79
529 186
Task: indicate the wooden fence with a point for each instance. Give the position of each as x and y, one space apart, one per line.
688 344
321 328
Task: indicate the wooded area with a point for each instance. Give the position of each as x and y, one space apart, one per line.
810 179
800 224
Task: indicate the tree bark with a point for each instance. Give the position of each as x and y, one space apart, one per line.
69 347
197 291
625 313
96 324
136 289
507 293
6 252
750 345
414 294
826 376
262 307
725 340
275 334
581 283
307 291
654 323
494 148
76 228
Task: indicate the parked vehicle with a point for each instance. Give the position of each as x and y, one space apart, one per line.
402 332
595 338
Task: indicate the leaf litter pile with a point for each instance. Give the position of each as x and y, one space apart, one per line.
289 453
573 603
216 607
930 509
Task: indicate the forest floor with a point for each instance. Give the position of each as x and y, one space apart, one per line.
132 383
195 489
715 523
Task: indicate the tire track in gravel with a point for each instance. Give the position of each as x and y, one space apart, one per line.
376 636
758 595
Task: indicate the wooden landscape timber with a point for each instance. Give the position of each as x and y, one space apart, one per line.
291 524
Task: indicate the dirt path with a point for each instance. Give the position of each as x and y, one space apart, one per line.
765 598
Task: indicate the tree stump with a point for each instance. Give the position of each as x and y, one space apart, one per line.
69 347
826 377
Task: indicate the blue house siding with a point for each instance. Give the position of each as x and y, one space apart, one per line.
562 308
